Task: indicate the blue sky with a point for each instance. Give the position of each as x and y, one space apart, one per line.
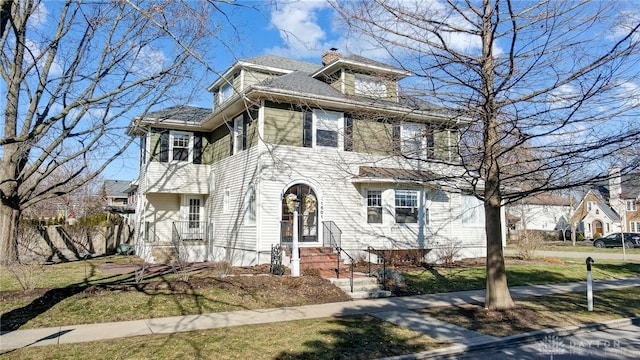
295 29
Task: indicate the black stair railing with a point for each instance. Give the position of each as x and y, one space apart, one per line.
332 236
380 255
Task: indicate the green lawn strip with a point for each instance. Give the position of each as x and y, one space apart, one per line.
353 337
438 280
108 306
550 311
73 273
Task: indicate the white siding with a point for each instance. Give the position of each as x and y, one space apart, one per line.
234 174
184 178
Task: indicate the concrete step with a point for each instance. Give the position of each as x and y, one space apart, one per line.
373 294
363 287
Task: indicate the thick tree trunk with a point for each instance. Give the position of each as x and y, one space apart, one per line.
9 218
497 293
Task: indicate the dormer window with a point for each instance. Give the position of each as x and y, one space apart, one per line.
370 86
226 91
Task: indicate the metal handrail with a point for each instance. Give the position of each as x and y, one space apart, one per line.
380 254
333 234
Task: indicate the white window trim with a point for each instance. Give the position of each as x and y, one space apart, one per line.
226 202
340 129
370 86
366 207
634 226
226 92
631 205
186 208
419 210
172 135
238 121
250 217
425 151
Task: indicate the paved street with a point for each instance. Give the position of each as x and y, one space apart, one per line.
618 343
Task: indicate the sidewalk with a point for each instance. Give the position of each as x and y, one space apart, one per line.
394 309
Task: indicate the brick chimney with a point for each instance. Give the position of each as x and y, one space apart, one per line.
330 56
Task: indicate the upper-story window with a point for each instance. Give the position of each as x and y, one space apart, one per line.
369 86
328 129
226 91
416 140
176 146
180 144
238 134
631 205
591 205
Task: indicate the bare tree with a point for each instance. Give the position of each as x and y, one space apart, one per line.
555 80
75 73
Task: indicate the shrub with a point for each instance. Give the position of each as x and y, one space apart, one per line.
528 243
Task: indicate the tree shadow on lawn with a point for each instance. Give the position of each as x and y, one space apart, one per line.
361 337
16 318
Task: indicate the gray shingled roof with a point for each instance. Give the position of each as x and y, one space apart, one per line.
367 61
180 113
303 83
630 184
116 188
283 63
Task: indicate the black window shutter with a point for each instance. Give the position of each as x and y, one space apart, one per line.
397 146
197 148
348 132
307 129
164 146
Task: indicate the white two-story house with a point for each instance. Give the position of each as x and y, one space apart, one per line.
366 166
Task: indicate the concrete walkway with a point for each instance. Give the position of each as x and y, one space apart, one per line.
396 310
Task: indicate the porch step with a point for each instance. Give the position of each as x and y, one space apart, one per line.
363 287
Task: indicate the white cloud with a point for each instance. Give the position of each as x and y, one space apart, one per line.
150 61
38 18
300 28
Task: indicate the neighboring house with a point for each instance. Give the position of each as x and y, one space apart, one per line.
624 192
545 212
117 196
594 217
339 139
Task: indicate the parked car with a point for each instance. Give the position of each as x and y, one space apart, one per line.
613 240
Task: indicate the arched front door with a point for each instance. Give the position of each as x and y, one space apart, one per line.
307 201
597 228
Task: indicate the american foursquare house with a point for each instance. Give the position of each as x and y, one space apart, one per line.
337 140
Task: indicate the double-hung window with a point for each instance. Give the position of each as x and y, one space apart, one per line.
369 86
406 206
634 226
180 145
226 91
631 205
328 129
591 205
416 140
374 206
